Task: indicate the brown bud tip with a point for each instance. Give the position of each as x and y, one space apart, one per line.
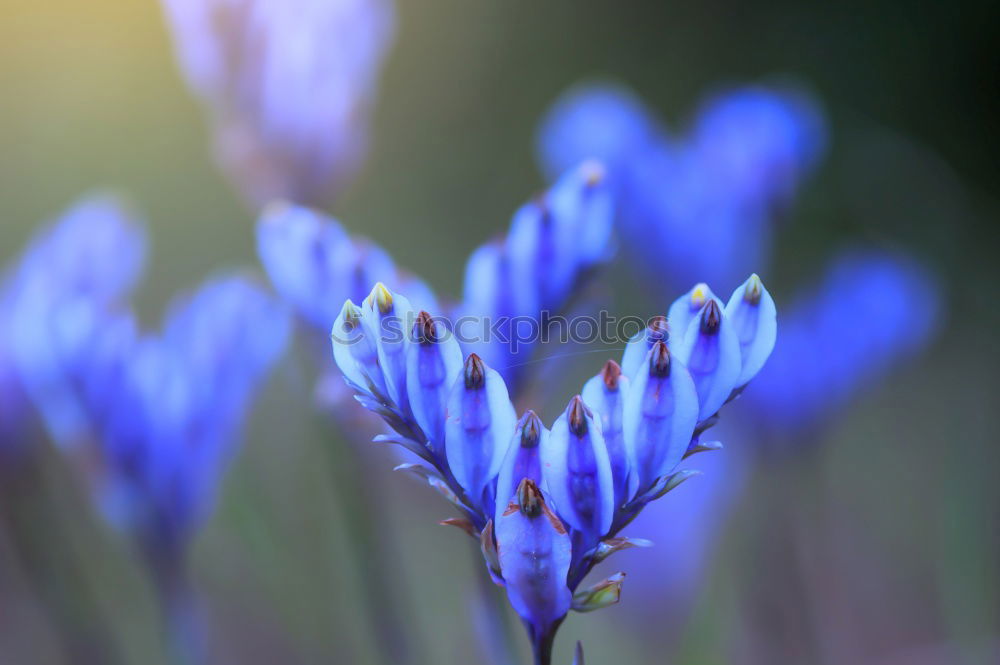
475 372
578 413
711 318
532 430
611 373
657 329
754 290
529 498
424 330
659 362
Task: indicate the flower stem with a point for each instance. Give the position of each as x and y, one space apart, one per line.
542 642
183 625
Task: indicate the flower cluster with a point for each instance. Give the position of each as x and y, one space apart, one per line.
153 416
548 503
71 275
719 186
166 409
553 242
287 84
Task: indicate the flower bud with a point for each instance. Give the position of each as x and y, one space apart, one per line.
355 352
479 428
752 313
535 551
683 311
659 414
638 347
711 352
605 394
387 317
578 473
523 458
433 364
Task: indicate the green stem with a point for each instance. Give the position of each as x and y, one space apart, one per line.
183 627
542 643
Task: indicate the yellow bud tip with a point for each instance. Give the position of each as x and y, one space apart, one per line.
593 172
381 297
698 295
351 315
754 290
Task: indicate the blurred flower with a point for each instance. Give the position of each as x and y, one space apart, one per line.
167 409
316 265
871 311
514 284
720 186
519 280
288 86
72 273
541 539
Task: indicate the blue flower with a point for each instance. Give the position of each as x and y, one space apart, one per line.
702 204
606 392
534 552
529 275
167 409
547 504
479 429
72 273
316 265
658 416
554 241
577 471
433 363
287 86
522 461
